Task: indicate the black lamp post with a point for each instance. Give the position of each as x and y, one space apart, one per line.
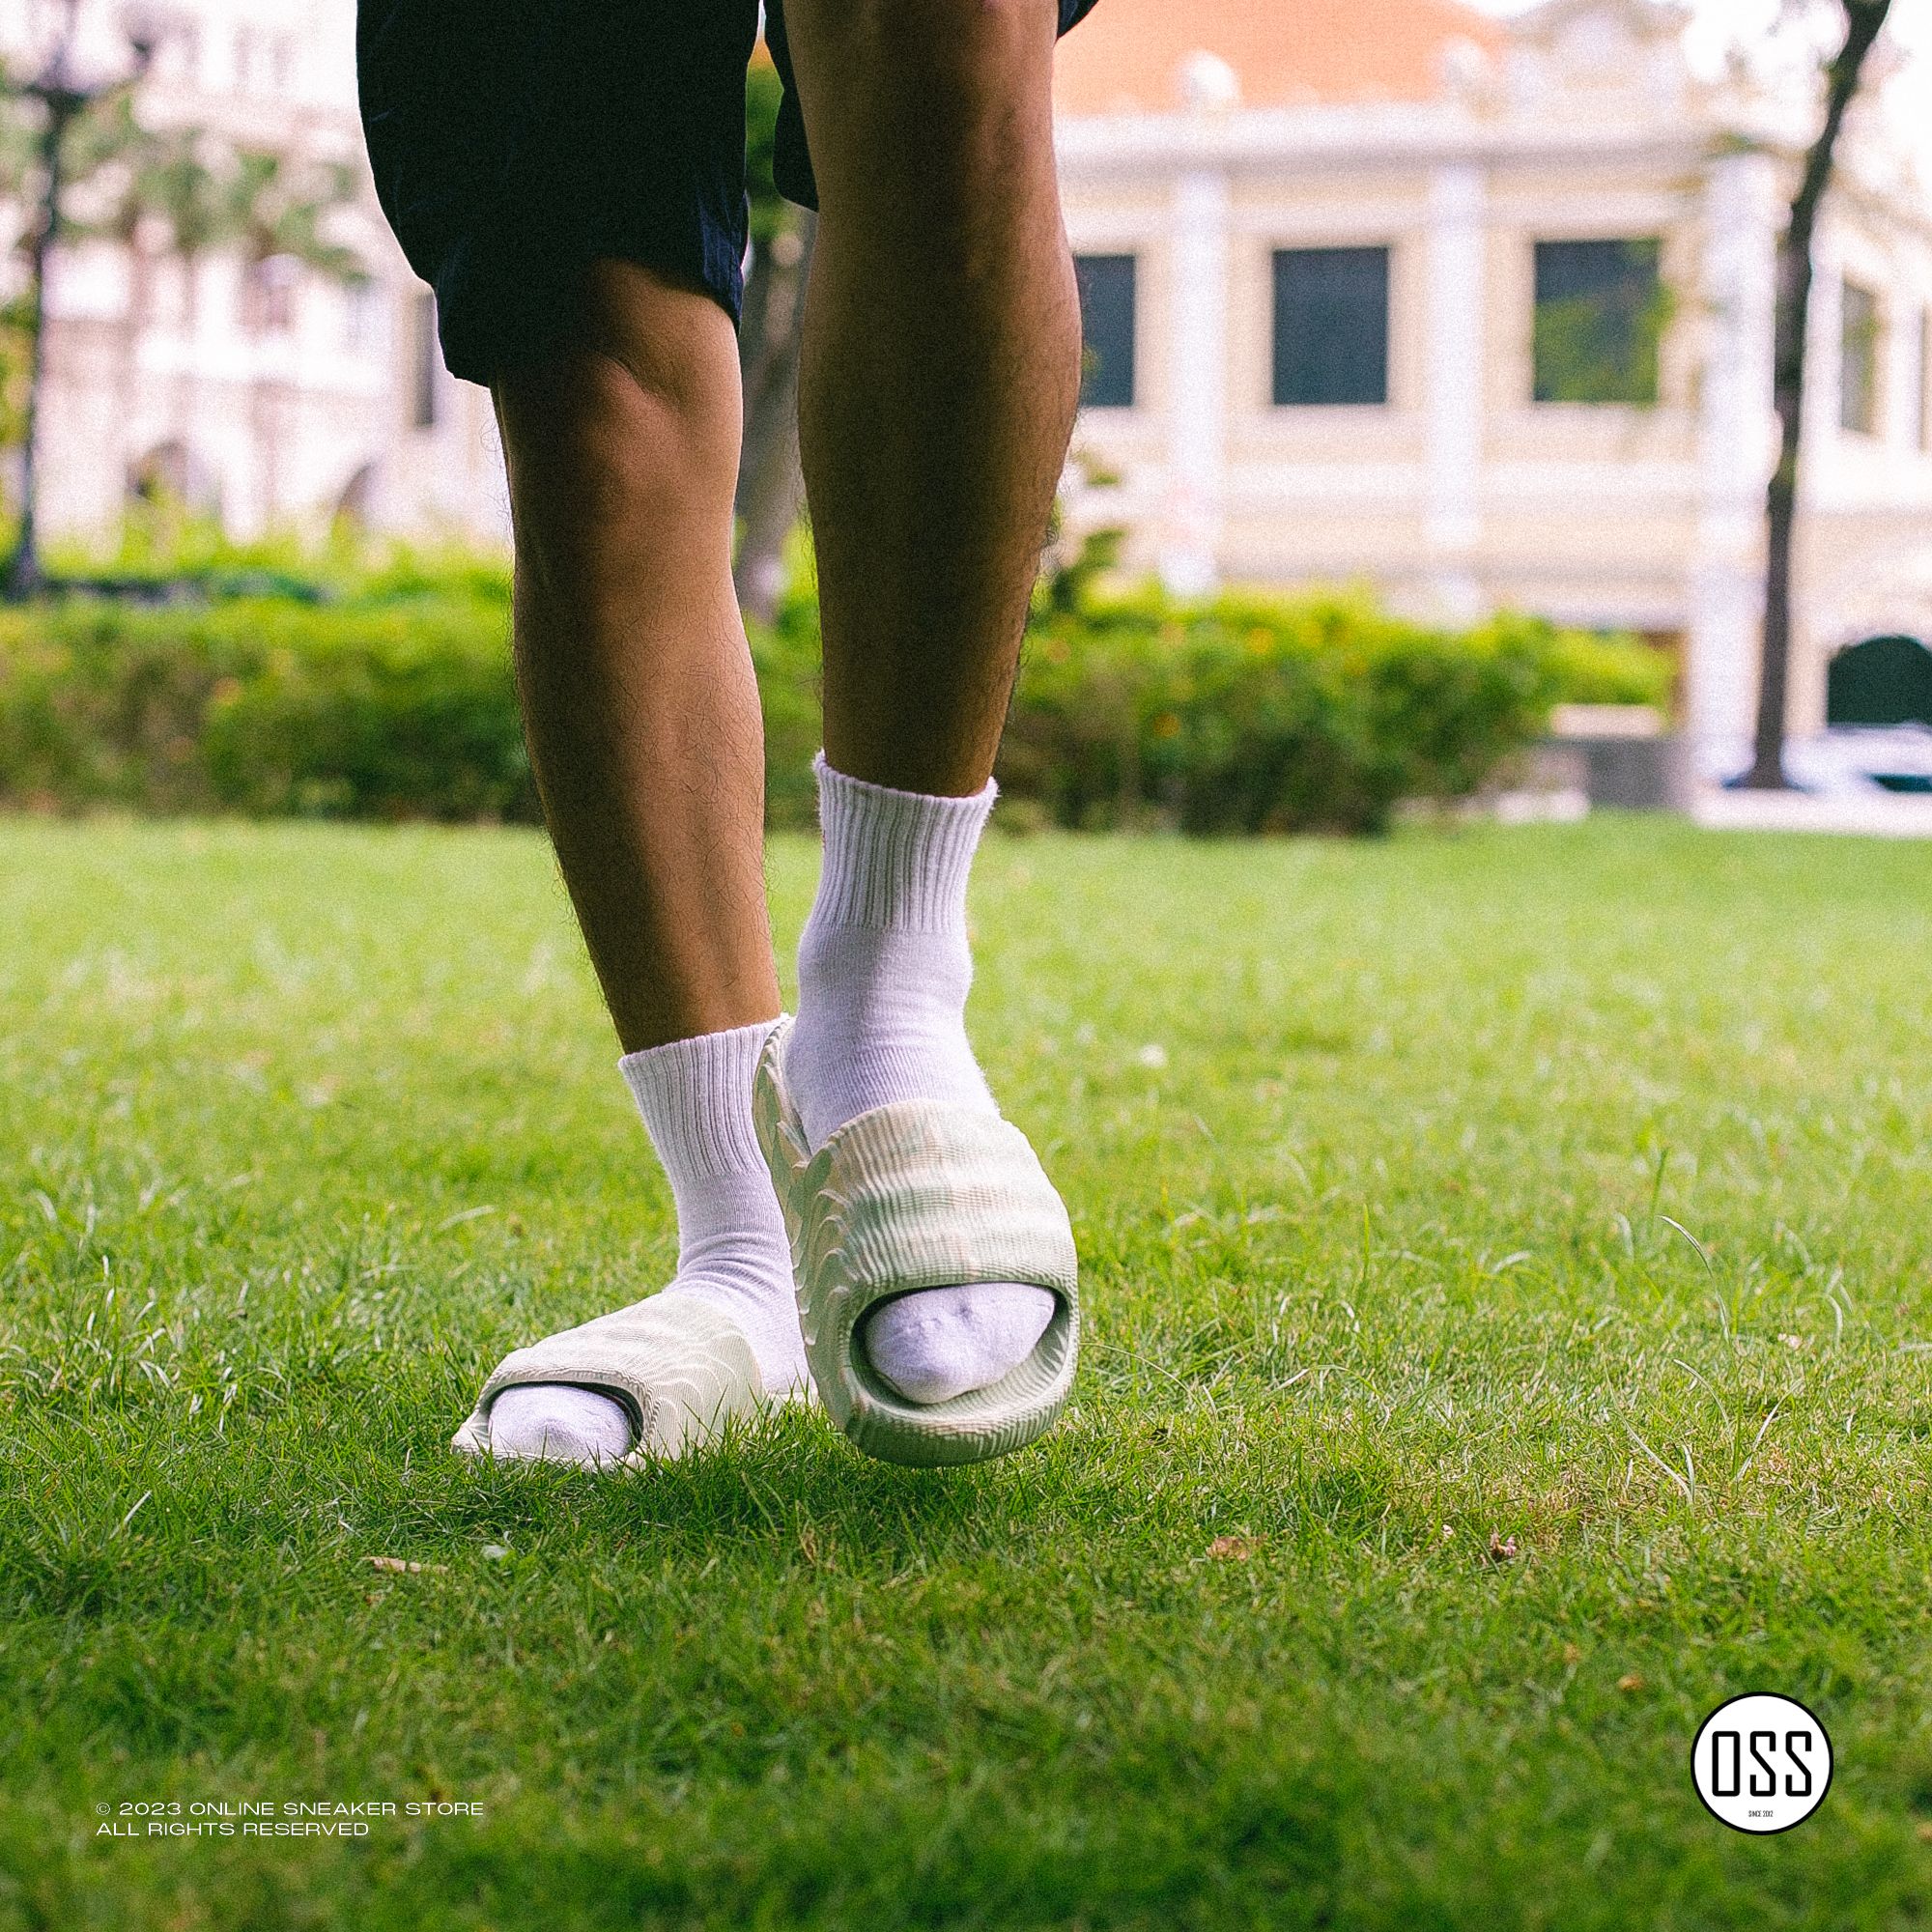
63 96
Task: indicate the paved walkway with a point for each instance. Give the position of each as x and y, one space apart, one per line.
1871 814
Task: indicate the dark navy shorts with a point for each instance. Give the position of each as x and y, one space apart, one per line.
515 141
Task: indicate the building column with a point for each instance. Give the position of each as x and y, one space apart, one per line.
1196 382
1736 445
1454 391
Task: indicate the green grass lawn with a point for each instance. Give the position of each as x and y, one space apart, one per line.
1571 1186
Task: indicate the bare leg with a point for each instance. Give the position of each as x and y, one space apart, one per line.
643 717
636 685
940 372
938 383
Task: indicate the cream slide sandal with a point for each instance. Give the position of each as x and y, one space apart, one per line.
679 1366
909 1196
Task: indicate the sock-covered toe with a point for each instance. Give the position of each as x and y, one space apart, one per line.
938 1342
557 1422
696 1100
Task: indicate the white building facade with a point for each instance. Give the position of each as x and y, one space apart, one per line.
1324 263
271 395
1467 458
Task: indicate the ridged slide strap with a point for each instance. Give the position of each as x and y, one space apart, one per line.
681 1367
909 1196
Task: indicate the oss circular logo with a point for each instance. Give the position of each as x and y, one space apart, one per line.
1761 1763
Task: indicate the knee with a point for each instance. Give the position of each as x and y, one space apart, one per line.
625 438
963 35
943 73
972 51
605 469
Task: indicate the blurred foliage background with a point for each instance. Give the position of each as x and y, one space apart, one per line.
348 681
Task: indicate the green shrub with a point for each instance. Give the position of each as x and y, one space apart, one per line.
392 696
164 553
1245 713
1591 669
264 706
375 716
785 654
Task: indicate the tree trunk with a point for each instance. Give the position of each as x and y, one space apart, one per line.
771 490
1863 21
129 373
184 390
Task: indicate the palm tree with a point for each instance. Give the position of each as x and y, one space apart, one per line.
279 208
189 194
62 97
186 189
111 148
20 149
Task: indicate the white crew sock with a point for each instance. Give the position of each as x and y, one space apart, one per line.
883 972
695 1098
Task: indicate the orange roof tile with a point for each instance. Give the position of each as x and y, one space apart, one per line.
1123 56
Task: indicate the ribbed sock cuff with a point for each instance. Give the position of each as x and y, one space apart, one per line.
895 860
695 1098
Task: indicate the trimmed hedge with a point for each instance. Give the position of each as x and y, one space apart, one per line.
1248 714
1239 713
264 706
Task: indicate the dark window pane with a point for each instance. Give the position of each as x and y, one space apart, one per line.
1331 326
1858 360
1881 681
1601 308
1106 285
